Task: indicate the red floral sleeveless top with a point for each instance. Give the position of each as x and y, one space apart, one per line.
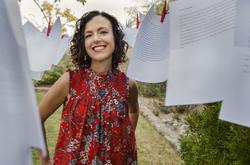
95 127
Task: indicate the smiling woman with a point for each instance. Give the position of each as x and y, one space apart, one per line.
99 40
100 117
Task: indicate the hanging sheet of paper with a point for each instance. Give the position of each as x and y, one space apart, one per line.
20 124
34 39
130 35
61 49
201 51
149 59
141 17
37 75
236 105
51 48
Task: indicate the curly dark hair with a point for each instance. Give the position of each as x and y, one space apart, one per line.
80 58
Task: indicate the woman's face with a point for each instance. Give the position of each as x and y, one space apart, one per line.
99 39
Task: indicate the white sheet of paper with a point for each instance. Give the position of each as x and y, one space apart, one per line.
39 60
37 75
141 17
62 48
149 59
201 52
130 35
236 105
51 48
242 24
20 124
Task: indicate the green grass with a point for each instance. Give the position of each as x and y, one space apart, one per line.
152 147
52 128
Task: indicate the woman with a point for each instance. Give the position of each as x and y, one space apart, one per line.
99 120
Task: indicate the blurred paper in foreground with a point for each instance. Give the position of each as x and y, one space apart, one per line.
20 125
236 105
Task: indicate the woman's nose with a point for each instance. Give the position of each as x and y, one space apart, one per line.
96 38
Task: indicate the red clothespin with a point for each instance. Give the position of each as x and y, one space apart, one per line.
49 27
137 21
164 11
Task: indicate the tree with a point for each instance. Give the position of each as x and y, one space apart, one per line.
132 11
81 1
51 11
143 7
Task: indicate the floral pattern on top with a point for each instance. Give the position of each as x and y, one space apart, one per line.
95 127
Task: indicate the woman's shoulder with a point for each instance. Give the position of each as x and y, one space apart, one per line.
132 85
120 73
68 76
131 82
76 70
76 73
133 92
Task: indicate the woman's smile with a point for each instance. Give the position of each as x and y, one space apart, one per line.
99 48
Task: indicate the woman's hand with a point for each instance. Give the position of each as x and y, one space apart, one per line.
46 161
43 160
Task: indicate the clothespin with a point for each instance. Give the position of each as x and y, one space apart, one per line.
49 27
164 11
137 21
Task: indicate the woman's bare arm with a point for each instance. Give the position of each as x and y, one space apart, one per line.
133 103
53 99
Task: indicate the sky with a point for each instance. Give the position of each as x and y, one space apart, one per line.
30 10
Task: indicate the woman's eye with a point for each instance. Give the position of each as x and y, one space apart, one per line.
87 36
103 32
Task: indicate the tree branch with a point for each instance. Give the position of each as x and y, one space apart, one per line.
41 11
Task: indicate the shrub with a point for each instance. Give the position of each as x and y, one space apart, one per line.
50 76
152 90
212 141
179 109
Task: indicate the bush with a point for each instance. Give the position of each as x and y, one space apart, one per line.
212 141
152 90
50 76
